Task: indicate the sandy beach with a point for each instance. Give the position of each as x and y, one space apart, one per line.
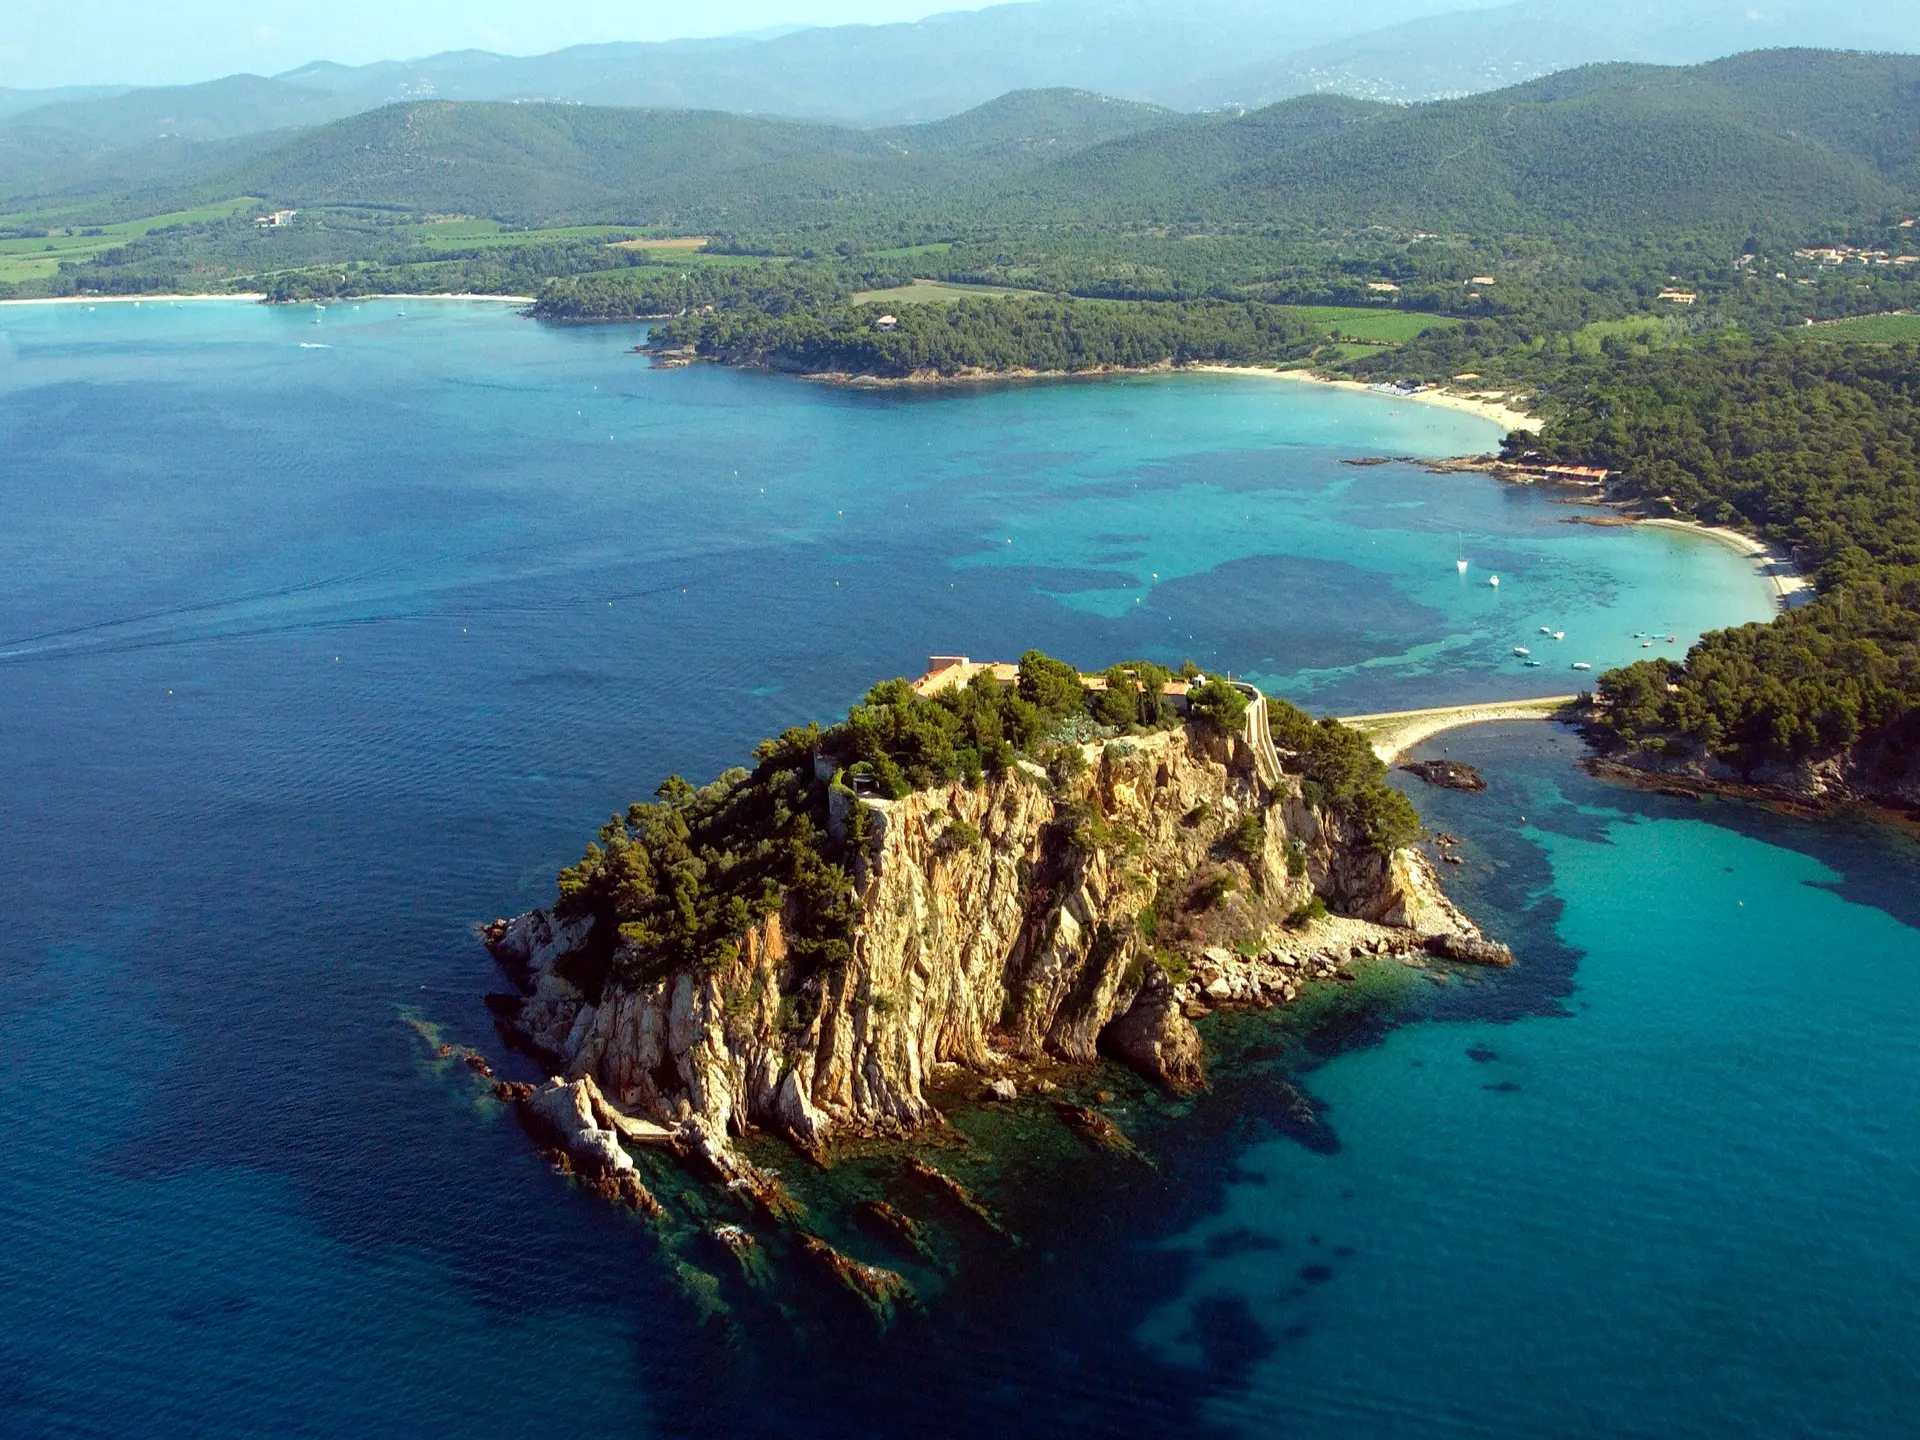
130 299
1488 407
1395 733
257 297
1791 587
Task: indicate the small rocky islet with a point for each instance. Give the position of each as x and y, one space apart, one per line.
969 892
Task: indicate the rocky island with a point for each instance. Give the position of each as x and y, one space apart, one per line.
1002 872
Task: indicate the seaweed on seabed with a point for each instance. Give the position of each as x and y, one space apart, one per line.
878 1288
964 1197
903 1231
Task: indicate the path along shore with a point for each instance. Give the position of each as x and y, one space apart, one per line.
1396 732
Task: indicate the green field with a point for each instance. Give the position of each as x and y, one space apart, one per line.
1867 329
489 234
931 292
1370 327
35 258
1649 330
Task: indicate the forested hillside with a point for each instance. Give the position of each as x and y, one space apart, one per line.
1813 446
1782 143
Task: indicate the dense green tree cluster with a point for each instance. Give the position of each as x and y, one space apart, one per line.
905 741
1341 773
994 335
492 270
678 882
1218 703
1815 446
1812 445
767 289
1839 673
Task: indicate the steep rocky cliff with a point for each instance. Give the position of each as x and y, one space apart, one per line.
1016 923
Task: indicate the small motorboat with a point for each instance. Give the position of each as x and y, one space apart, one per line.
1522 651
1559 634
1494 581
1546 629
1581 665
1670 640
1533 664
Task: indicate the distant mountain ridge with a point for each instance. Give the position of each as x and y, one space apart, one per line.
1181 54
1799 139
1470 52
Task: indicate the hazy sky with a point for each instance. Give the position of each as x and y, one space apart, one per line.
164 42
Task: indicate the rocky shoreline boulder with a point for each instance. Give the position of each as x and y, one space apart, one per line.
1155 1036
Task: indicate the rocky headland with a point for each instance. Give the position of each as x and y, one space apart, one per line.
1091 899
1882 773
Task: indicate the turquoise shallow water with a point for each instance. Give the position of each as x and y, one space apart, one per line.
313 657
1677 1203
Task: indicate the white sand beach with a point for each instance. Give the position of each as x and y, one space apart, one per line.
1497 408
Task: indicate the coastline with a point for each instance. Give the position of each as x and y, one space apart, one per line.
1493 410
1393 733
1791 586
259 297
133 299
1487 408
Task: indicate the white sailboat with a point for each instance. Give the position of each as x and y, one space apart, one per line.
1460 548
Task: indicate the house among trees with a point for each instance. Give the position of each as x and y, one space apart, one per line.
886 322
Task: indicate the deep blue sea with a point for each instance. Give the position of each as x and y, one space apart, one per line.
325 635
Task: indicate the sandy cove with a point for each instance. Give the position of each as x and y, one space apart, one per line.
1487 406
1791 587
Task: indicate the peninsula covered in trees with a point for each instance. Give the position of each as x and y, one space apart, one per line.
1813 446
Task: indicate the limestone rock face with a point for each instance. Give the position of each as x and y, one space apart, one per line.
1020 949
1155 1037
572 1112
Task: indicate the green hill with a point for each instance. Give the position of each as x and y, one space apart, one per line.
1030 126
1791 139
1782 143
550 163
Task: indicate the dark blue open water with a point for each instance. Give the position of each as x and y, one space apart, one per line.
312 657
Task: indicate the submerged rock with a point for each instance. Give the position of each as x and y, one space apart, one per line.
965 1198
1469 949
878 1288
1093 1125
1448 774
897 1227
